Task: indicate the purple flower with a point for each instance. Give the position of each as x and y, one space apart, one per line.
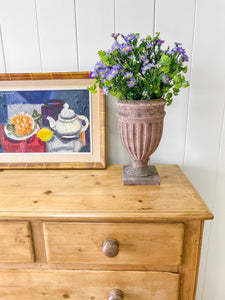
165 78
99 65
114 71
115 35
145 62
101 73
186 58
142 57
106 70
148 46
110 75
129 37
116 46
180 50
156 66
116 67
128 75
93 74
127 48
132 57
159 41
146 67
177 44
132 82
105 90
145 93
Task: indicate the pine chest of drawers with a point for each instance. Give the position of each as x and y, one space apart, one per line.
81 234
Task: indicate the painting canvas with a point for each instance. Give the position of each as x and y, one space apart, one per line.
45 121
50 126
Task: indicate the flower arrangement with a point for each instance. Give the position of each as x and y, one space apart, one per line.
139 69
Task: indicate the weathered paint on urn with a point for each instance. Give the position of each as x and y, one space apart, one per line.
140 129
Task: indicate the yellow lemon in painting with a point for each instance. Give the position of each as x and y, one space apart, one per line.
45 134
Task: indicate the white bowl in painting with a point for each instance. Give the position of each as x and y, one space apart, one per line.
24 127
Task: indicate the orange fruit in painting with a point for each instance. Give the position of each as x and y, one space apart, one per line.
24 124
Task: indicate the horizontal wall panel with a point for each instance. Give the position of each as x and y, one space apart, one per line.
20 35
132 16
174 20
95 24
57 32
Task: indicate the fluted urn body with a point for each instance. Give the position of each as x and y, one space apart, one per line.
140 128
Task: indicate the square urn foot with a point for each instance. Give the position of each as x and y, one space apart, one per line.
152 179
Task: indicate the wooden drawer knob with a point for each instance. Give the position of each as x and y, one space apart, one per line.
111 247
116 294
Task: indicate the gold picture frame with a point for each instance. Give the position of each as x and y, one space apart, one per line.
73 120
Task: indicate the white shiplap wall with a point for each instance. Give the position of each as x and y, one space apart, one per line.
93 29
2 54
20 36
57 35
175 21
65 35
204 150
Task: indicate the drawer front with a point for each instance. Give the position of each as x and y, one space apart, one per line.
15 242
88 285
151 243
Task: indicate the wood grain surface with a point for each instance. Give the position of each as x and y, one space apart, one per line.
192 250
43 76
140 244
98 195
82 285
16 242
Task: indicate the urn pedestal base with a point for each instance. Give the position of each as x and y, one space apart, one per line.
132 179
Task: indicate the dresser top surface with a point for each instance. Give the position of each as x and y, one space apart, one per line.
98 195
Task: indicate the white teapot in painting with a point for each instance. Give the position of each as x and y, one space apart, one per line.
69 124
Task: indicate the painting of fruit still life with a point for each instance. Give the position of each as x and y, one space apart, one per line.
51 127
30 123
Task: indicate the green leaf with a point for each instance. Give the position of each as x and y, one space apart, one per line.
101 53
92 89
165 62
175 90
185 69
186 84
169 96
169 102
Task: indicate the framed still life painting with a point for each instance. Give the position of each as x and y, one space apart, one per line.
51 120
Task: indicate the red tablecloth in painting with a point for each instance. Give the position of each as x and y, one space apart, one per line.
32 144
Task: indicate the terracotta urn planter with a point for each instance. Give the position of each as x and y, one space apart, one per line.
140 129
